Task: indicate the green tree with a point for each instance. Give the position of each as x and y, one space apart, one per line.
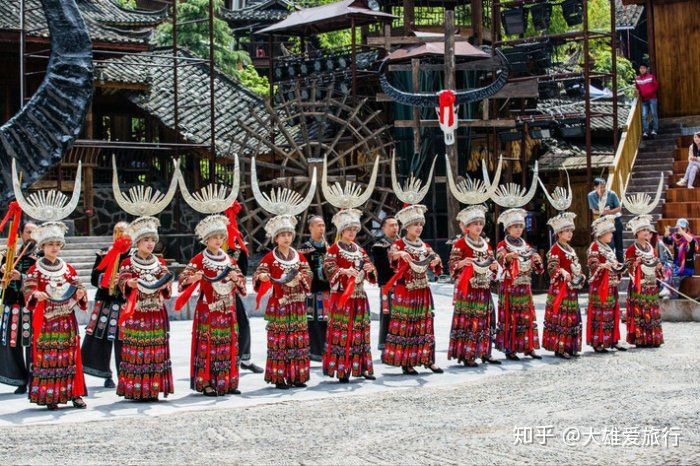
194 36
128 4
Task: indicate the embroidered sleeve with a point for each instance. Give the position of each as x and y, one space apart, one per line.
594 262
263 267
393 256
75 280
331 269
371 276
31 284
238 278
305 276
167 289
553 265
631 261
125 274
537 264
456 255
437 269
95 275
186 274
501 253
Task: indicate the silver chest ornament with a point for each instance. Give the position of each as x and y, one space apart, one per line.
218 264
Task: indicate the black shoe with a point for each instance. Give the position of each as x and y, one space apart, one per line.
600 350
21 390
282 386
369 376
409 371
533 355
470 364
234 391
562 355
52 407
209 391
491 361
436 369
345 379
300 385
255 369
109 383
512 357
620 348
79 403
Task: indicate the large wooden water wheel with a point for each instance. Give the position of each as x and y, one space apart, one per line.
306 126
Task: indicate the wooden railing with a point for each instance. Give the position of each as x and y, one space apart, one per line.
627 149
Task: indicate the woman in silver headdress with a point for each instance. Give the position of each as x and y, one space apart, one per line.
52 291
285 273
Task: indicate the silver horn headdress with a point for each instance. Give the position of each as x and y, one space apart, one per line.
512 196
641 205
211 200
561 200
473 192
50 207
283 203
347 197
143 202
410 193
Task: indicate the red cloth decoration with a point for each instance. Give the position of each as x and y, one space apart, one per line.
464 277
128 309
262 290
559 298
37 322
604 286
79 378
234 234
638 278
185 296
119 247
349 290
446 99
14 214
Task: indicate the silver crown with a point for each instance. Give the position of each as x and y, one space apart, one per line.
641 203
470 191
350 195
281 201
512 195
47 206
411 192
211 199
560 198
143 201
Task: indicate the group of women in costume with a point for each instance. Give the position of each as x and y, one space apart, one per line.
130 316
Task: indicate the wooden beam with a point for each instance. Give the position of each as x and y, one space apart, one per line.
451 150
462 124
410 40
518 90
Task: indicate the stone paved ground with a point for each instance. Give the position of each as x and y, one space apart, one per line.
463 416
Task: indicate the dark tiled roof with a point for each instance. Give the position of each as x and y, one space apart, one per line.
105 20
262 12
627 16
231 98
561 154
557 108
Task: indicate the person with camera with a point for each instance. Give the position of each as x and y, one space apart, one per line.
685 245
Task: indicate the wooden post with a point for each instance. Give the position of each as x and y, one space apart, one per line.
452 203
415 82
478 22
613 51
353 45
651 37
409 16
587 90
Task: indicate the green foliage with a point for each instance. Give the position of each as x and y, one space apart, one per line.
128 4
194 36
625 69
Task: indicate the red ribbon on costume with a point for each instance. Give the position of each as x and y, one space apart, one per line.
560 297
129 307
638 278
13 215
37 322
119 247
262 291
604 286
234 234
464 278
446 99
185 296
349 290
79 378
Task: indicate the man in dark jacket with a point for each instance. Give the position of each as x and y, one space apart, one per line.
380 256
